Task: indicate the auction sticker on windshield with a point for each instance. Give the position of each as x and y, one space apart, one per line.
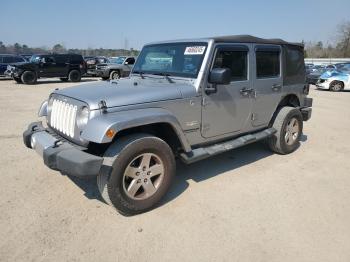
194 50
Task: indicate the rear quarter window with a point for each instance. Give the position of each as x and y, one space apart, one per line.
294 65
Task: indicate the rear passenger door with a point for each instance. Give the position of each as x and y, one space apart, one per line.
267 83
62 65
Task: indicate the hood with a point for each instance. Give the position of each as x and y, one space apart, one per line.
24 65
128 91
114 65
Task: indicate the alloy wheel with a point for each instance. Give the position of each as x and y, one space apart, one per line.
143 176
292 131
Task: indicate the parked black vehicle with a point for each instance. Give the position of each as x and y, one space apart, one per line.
65 66
314 74
92 62
27 57
6 60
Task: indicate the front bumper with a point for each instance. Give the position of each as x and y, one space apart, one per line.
59 154
323 85
102 73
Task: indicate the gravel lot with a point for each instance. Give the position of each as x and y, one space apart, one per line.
245 205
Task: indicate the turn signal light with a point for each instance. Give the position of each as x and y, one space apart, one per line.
110 133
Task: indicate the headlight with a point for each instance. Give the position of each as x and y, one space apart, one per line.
83 117
49 105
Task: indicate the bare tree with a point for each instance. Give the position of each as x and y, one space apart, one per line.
344 38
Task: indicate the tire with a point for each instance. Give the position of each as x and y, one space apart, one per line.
133 189
105 78
18 80
114 75
289 126
28 77
64 79
74 76
336 86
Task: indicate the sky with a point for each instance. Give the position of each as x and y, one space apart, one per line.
131 24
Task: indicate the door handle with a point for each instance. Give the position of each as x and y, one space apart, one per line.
276 87
246 91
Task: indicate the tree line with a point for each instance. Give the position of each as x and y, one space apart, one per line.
339 48
61 49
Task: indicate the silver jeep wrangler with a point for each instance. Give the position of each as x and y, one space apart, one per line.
190 99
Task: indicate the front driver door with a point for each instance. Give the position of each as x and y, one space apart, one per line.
228 109
47 66
128 64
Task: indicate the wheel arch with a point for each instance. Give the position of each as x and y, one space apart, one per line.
155 121
115 69
291 100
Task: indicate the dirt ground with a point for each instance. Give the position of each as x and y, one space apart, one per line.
245 205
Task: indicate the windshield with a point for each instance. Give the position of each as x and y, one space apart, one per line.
35 59
344 67
173 59
117 60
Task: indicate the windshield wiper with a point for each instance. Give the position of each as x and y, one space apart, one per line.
166 76
140 74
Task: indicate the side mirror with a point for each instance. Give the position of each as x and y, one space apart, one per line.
220 76
126 63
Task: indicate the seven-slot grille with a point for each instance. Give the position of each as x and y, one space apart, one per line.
63 117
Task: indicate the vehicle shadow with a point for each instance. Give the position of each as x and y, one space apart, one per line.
197 172
214 166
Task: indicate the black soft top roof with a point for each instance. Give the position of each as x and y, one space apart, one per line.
252 39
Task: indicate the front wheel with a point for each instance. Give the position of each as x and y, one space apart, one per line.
142 170
289 126
29 78
114 75
336 86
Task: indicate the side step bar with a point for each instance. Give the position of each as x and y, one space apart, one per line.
204 152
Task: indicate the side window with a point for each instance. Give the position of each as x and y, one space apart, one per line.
18 59
237 61
295 67
130 60
61 59
8 59
267 63
49 59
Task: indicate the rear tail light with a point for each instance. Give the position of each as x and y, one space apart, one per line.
306 89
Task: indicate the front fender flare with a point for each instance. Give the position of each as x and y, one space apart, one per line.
95 130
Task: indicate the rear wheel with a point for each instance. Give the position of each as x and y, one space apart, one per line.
289 126
142 170
28 77
336 86
114 75
74 76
